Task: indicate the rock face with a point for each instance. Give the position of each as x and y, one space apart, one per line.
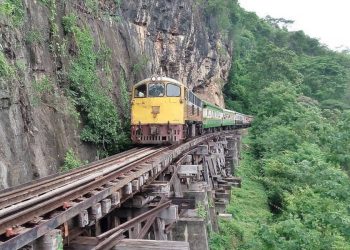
146 37
175 36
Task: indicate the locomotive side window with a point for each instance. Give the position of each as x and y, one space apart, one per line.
156 90
140 91
172 90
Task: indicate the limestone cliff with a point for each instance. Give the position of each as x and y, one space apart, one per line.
145 37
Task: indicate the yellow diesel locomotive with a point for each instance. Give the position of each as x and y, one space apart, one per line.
164 110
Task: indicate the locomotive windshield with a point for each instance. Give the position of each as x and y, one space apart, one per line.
140 91
173 90
156 89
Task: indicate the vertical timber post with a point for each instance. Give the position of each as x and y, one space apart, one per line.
51 241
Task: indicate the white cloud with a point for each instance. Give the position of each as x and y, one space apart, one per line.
323 19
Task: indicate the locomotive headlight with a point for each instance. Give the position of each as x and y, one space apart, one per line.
153 78
158 78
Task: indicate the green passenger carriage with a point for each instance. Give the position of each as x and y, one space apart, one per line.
229 118
212 115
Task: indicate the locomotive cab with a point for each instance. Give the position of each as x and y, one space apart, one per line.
157 111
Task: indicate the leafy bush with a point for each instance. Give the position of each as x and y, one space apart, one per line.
6 69
102 124
69 22
41 87
92 5
71 161
34 37
13 10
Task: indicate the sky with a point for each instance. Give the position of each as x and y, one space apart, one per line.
329 21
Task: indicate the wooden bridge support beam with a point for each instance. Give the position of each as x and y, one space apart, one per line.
202 178
51 241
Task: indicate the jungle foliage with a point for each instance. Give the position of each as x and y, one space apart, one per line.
105 124
13 11
71 161
296 168
102 123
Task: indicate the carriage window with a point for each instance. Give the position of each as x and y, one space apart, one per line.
173 90
140 91
155 89
190 98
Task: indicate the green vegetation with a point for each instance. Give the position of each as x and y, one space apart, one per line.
140 65
93 6
103 126
34 37
297 166
111 10
250 210
124 100
20 66
69 22
41 87
220 15
12 10
266 54
55 41
6 70
201 210
118 3
71 161
46 2
57 45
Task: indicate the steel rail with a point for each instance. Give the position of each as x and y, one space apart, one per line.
112 166
54 214
24 186
48 179
20 217
36 189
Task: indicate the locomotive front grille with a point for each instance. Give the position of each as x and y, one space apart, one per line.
157 134
156 138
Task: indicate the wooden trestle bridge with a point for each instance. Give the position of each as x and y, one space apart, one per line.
133 200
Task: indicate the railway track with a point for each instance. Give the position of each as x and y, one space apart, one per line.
37 188
34 200
31 210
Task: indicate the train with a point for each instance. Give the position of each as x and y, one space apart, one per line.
165 111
